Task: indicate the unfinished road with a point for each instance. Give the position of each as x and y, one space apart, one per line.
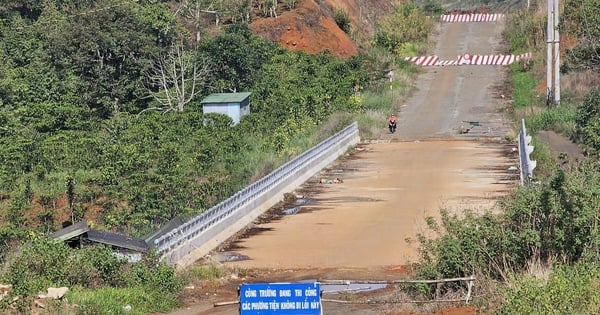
390 188
363 227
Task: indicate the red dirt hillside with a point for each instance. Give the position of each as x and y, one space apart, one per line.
311 27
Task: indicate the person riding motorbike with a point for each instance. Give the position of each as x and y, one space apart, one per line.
392 123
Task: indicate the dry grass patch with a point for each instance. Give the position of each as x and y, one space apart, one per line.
580 83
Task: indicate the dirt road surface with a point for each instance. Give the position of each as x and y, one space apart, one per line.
450 97
359 228
387 191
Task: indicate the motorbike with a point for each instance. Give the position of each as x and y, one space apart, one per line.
392 126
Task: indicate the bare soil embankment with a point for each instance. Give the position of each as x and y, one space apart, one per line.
311 26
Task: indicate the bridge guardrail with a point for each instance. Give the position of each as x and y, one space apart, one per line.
181 241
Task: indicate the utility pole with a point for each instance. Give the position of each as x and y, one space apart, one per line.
556 55
549 52
553 54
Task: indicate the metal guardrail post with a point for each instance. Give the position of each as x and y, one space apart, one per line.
526 164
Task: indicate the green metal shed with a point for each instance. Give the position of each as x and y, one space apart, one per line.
234 105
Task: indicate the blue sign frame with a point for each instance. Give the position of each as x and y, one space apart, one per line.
280 298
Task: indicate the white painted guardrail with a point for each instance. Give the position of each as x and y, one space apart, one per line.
203 233
526 164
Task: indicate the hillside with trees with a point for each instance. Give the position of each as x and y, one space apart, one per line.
100 119
99 105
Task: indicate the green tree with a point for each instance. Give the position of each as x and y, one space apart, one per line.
580 19
587 122
237 57
109 59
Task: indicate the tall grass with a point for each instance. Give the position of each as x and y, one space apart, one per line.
378 101
579 84
523 88
205 272
259 162
110 300
560 119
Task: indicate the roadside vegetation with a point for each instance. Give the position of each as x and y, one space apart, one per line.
540 253
93 126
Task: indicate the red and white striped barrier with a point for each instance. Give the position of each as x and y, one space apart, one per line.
496 60
448 63
468 59
424 60
462 18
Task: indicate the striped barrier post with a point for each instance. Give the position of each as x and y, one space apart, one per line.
472 17
469 59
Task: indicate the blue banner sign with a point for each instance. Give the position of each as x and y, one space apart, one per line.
280 298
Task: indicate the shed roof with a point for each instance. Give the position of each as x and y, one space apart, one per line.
113 239
226 97
71 231
117 240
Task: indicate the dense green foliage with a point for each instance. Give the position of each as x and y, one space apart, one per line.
142 169
237 58
405 26
568 290
580 19
554 221
588 122
42 263
69 66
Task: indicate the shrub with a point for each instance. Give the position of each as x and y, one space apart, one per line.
549 221
342 19
406 24
152 274
587 122
580 20
42 263
569 290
